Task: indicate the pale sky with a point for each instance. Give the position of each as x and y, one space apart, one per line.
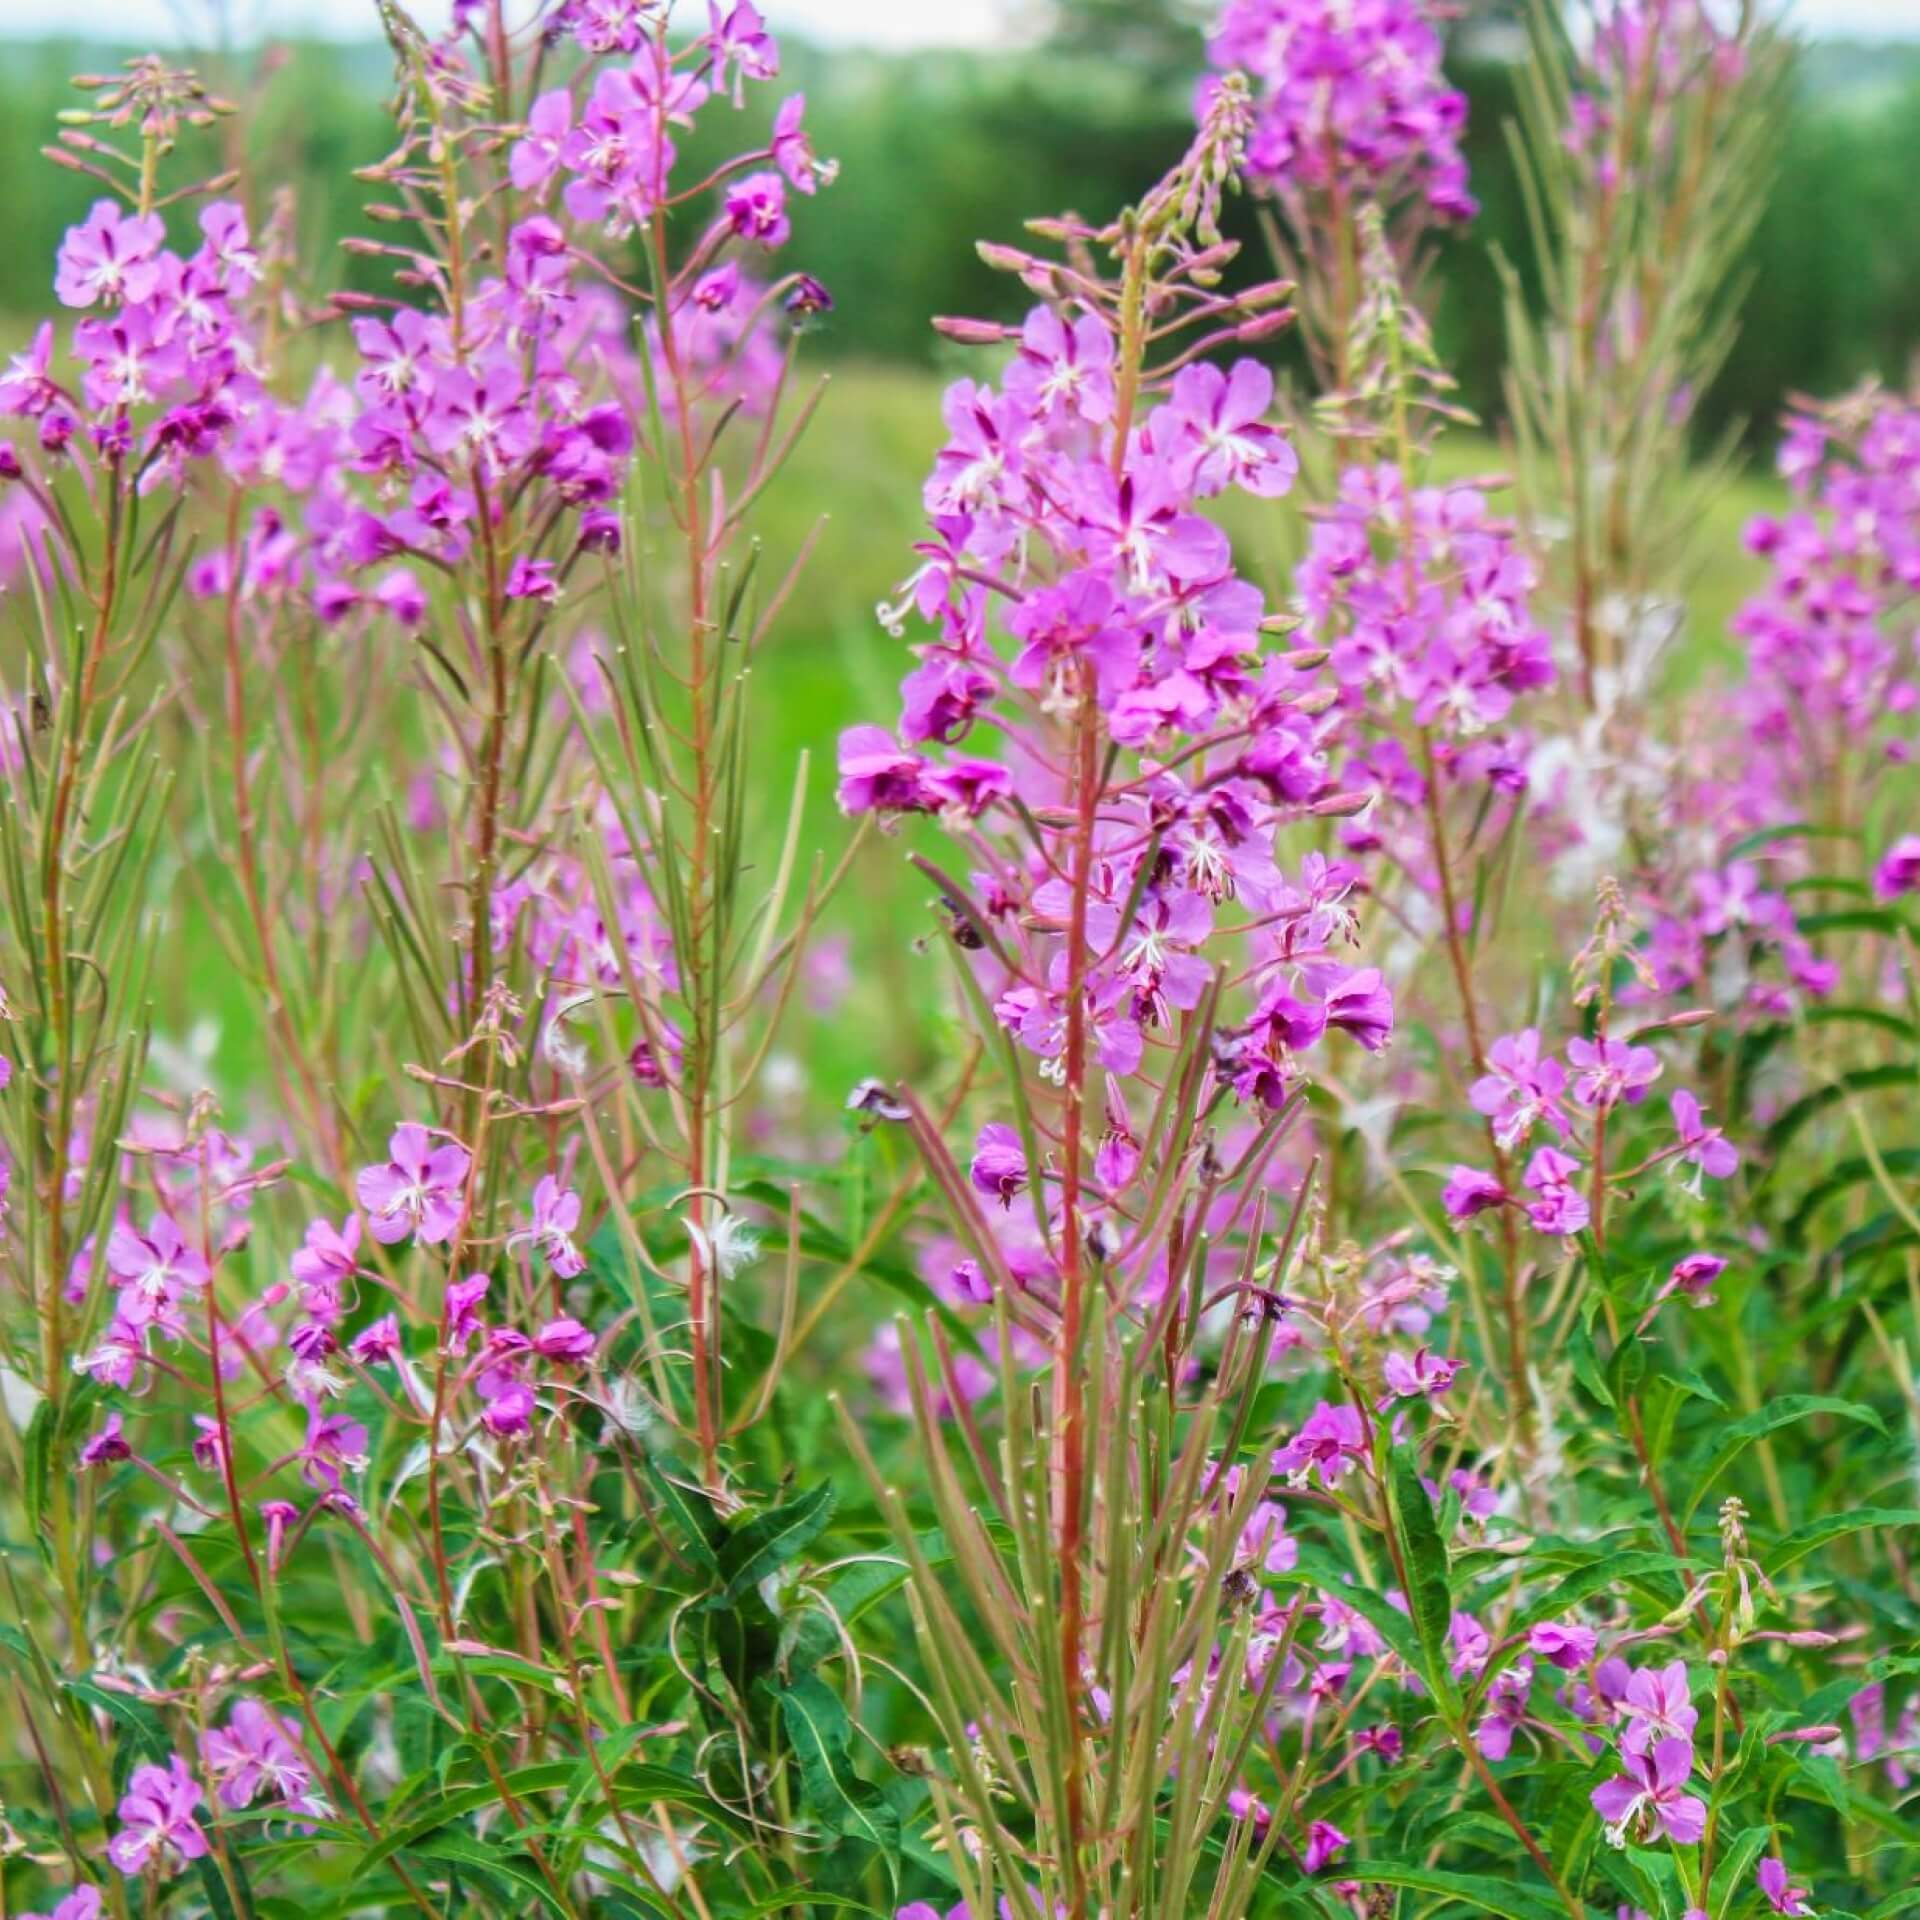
881 23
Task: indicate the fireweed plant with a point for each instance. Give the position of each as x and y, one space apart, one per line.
1644 144
1355 1501
385 1527
1407 1398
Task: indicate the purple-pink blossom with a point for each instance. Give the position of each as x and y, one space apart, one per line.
1651 1797
158 1832
419 1192
1331 1441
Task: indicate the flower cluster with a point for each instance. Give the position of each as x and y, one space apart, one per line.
166 353
1527 1092
1424 600
1820 721
1351 100
1655 1715
1824 665
1085 609
1640 58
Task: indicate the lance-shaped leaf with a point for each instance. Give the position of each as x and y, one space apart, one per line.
821 1735
769 1540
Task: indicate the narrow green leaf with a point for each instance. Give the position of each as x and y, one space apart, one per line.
769 1540
492 1860
1784 1412
1802 1541
1430 1592
1484 1893
463 1800
1730 1875
701 1530
820 1733
1605 1575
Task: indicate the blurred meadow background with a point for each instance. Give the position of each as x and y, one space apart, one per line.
1057 104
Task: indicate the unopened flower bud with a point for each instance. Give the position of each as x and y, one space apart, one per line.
1340 806
1262 325
970 333
1005 259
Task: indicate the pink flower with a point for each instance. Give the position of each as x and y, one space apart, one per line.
1216 424
155 1269
1325 1842
877 775
111 257
1330 1441
1781 1895
532 580
1423 1374
1361 1004
1521 1090
1658 1704
1563 1644
419 1193
556 1214
463 1310
209 1444
1651 1795
158 1832
1063 369
27 386
510 1411
967 787
1561 1208
277 1516
1897 873
1608 1071
565 1339
1471 1642
328 1259
334 1447
999 1167
792 152
481 417
756 209
741 46
83 1903
1469 1191
132 359
1265 1540
1704 1147
257 1751
377 1342
1348 97
1507 1695
1693 1275
391 355
107 1447
536 156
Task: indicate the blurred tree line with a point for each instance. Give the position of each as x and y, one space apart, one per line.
938 149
